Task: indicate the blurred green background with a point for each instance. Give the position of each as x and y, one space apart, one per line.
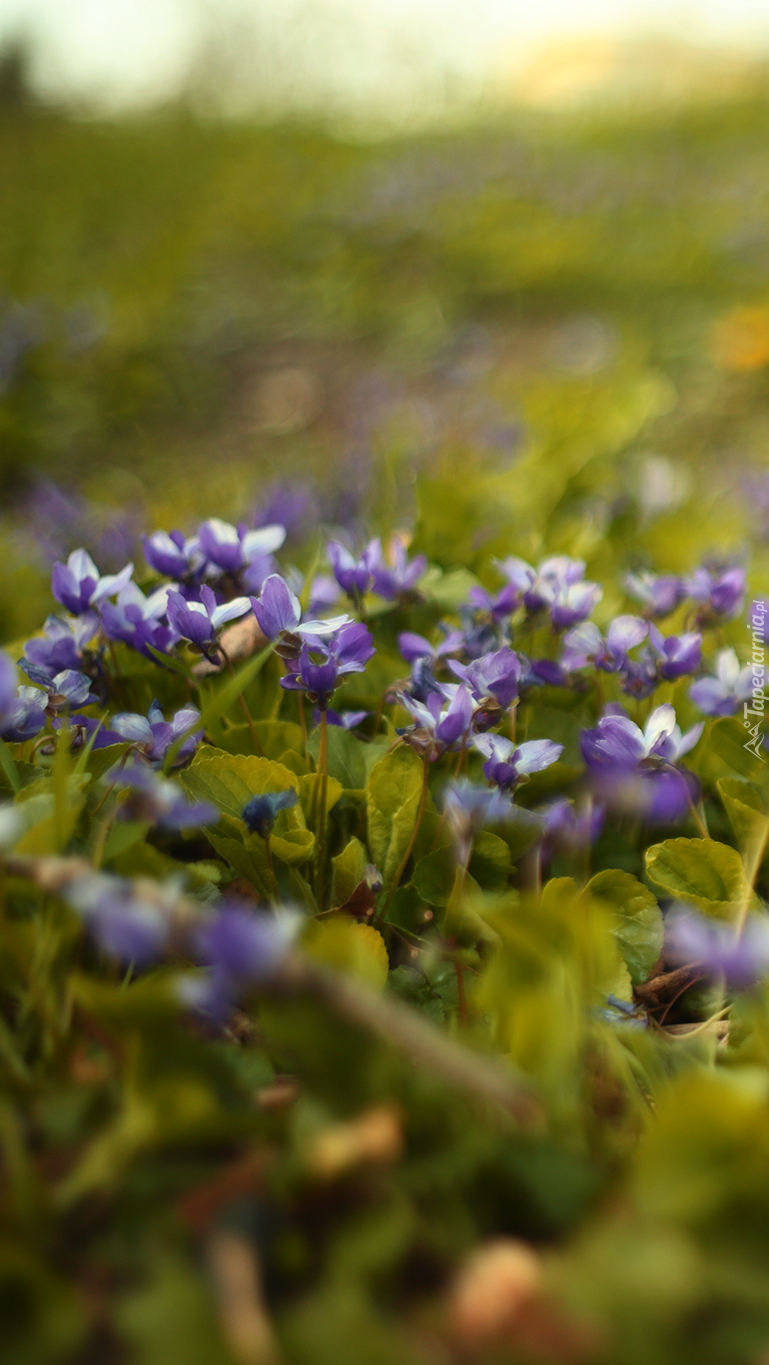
203 315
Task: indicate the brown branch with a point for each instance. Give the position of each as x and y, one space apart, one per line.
668 984
482 1078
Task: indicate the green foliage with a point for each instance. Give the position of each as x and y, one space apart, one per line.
701 872
393 794
354 1135
639 930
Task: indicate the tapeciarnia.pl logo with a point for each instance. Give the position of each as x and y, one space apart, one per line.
755 707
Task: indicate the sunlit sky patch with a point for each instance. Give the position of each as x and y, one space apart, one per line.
132 51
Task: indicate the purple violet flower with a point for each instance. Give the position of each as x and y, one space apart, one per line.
498 605
585 645
445 717
508 764
574 602
62 643
659 594
200 622
720 593
494 676
241 948
567 829
345 720
634 768
558 583
743 960
231 549
322 662
469 809
355 576
543 673
261 812
413 647
277 609
125 923
68 690
617 742
137 620
158 802
8 677
324 593
171 553
154 735
401 576
725 693
78 584
26 715
676 654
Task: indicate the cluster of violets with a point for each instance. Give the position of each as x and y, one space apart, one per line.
462 693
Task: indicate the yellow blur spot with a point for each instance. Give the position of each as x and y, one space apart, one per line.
349 947
741 339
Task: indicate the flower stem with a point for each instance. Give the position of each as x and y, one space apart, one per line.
321 831
303 721
243 704
753 860
698 820
460 971
271 866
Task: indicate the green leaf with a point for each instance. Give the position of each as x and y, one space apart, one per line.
728 738
520 832
275 736
639 929
491 864
745 809
346 756
345 944
8 763
50 822
349 869
701 872
230 780
309 792
394 788
250 863
434 877
124 836
490 867
27 773
172 1317
450 589
101 760
224 698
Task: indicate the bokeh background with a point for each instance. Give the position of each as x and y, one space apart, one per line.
269 260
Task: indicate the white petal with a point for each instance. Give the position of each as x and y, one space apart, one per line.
728 666
223 532
111 583
133 727
263 541
661 722
157 602
82 565
689 740
229 610
323 627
